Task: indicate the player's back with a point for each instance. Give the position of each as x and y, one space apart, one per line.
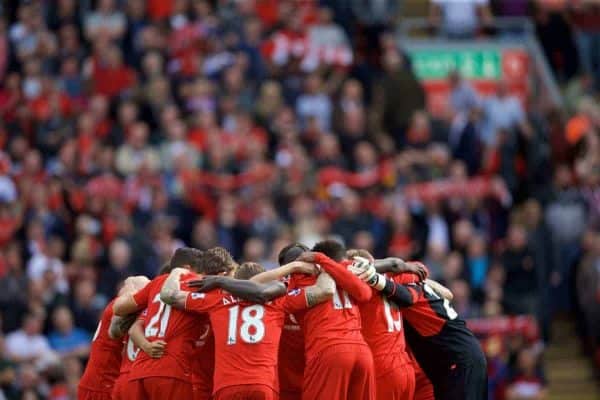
129 354
105 357
330 323
203 361
291 358
431 323
177 328
382 329
247 339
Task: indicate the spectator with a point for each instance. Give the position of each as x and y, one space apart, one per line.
86 306
402 96
28 344
351 218
106 22
326 37
503 112
13 288
314 103
529 382
136 153
65 338
460 19
521 292
463 98
586 21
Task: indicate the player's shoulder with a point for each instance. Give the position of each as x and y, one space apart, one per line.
108 313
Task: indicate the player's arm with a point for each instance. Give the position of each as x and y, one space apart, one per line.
320 292
125 305
170 293
402 295
395 265
154 349
295 267
119 326
345 279
245 289
440 289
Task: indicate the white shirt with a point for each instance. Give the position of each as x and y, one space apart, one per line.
19 344
39 264
460 16
317 106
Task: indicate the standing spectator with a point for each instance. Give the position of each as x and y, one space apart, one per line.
503 112
402 96
586 20
13 288
460 19
521 291
463 98
48 261
329 40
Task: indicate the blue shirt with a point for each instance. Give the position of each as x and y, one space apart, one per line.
64 343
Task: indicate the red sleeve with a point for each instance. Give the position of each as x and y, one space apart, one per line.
357 289
203 302
141 297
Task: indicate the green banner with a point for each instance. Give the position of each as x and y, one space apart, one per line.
472 64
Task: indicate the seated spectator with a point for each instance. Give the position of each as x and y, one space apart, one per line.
65 338
118 268
529 382
28 344
48 259
136 152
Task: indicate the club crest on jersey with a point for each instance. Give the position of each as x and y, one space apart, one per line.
294 292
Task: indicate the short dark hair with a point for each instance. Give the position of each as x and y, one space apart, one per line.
290 252
217 260
186 256
165 268
247 270
332 249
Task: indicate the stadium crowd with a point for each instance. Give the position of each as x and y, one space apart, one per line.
131 128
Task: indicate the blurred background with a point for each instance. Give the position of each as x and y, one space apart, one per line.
465 133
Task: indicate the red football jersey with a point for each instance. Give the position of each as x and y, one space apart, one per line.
105 357
130 352
382 330
203 361
246 335
176 327
330 323
291 355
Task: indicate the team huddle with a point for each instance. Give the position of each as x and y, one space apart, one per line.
327 324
